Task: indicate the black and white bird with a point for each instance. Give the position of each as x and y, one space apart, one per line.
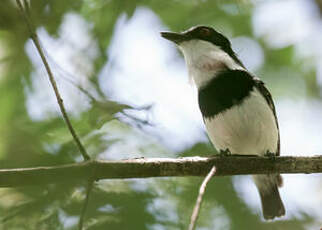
237 108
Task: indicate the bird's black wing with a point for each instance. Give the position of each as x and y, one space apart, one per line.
268 97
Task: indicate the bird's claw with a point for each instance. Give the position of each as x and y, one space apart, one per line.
270 155
224 153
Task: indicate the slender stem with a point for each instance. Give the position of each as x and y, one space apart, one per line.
26 7
88 192
35 40
89 188
202 189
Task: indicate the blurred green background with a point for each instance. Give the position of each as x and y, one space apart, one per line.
128 95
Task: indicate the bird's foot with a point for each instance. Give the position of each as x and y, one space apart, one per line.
270 155
225 152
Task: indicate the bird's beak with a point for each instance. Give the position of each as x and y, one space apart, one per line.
174 37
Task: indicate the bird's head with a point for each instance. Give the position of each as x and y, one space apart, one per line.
206 52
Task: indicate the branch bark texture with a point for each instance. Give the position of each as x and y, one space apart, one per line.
159 167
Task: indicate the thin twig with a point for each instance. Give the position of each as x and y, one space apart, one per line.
89 188
27 7
88 192
35 40
202 189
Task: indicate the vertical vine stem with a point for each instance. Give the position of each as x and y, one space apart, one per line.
89 188
202 189
35 39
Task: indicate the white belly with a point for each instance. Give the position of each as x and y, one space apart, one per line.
248 128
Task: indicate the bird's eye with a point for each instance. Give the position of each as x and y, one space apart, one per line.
205 32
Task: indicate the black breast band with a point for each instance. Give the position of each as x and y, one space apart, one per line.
227 89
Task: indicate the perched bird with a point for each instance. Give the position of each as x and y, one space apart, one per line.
237 109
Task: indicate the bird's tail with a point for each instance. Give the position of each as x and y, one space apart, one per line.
272 204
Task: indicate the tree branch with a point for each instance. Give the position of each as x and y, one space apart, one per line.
159 167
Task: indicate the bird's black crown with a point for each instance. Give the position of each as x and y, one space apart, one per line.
207 34
200 33
204 33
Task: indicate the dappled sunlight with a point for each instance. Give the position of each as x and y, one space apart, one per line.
71 57
143 70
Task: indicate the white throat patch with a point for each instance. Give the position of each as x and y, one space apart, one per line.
204 60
